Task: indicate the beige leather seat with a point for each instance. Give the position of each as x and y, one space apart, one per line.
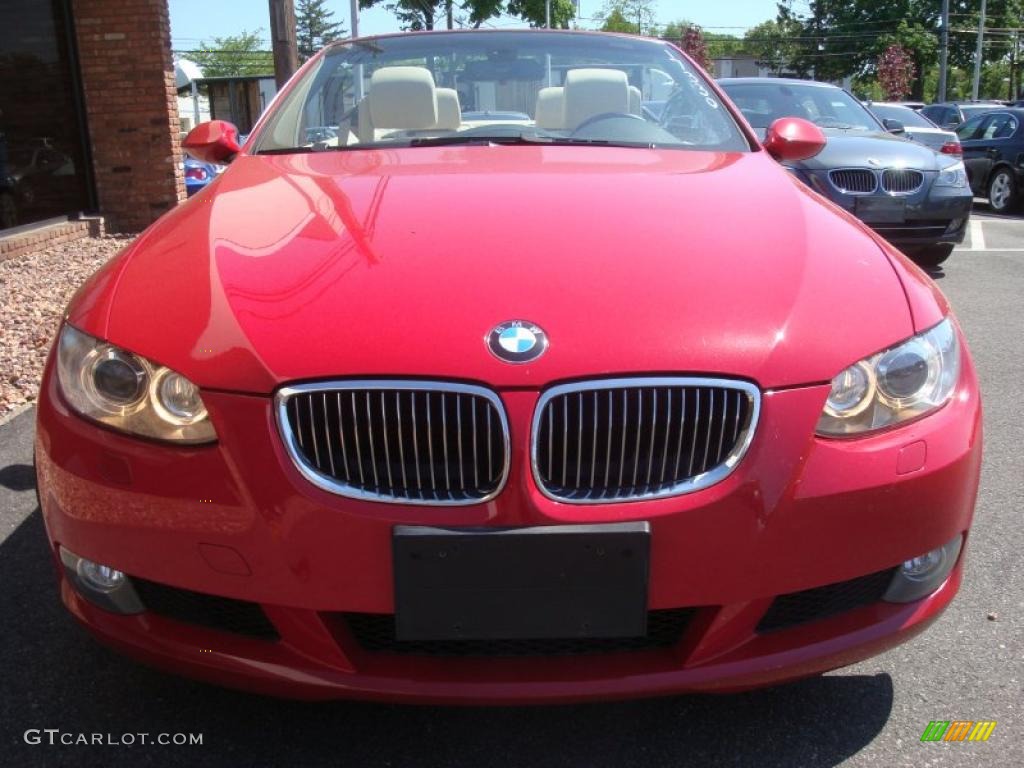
591 92
400 99
635 97
550 112
449 111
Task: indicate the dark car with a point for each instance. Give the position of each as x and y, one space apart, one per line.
916 198
993 146
950 114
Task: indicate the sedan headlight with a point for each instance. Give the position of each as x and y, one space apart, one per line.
129 393
898 384
953 176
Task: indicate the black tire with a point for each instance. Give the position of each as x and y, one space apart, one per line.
1003 195
8 210
933 255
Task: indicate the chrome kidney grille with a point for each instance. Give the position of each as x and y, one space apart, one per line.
634 439
854 181
412 442
902 181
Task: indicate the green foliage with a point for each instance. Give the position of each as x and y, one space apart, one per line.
773 43
233 55
638 15
315 27
562 12
418 15
838 38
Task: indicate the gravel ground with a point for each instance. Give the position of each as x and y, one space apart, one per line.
34 289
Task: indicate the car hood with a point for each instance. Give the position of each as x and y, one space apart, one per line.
399 263
845 149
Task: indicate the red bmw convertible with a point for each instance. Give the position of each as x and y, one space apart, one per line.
507 388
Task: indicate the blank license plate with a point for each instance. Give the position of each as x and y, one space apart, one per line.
571 581
881 210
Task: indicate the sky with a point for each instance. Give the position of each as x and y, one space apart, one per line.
195 20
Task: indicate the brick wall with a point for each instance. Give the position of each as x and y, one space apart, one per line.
39 237
124 48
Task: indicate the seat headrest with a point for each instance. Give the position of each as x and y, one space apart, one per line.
449 112
635 98
550 113
590 92
403 98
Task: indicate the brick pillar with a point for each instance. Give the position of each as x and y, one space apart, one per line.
124 49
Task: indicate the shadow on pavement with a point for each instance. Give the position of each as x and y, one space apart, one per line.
18 477
55 676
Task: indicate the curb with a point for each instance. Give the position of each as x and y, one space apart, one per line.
12 415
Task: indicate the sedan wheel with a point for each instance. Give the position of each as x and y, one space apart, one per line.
1002 191
932 256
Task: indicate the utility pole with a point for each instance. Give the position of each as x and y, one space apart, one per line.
978 53
943 52
353 8
282 40
547 14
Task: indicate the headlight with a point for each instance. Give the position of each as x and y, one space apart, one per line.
128 392
900 383
953 176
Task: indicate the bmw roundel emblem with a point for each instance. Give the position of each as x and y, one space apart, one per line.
517 341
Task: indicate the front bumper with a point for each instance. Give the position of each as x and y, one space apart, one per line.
932 216
237 520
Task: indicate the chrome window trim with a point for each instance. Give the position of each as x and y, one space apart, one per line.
696 483
340 488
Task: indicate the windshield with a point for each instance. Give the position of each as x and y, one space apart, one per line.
905 115
499 87
970 110
825 106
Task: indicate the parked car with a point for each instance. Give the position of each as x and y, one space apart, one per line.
993 146
917 199
915 127
950 114
198 175
507 413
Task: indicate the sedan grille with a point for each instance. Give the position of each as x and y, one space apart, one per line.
405 442
629 439
902 181
859 181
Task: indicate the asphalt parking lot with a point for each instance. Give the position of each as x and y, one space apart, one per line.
969 666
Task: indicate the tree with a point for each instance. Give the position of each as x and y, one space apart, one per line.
418 15
315 27
895 72
773 44
694 45
233 55
616 22
562 12
638 15
838 38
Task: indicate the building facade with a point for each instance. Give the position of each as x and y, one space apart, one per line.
88 114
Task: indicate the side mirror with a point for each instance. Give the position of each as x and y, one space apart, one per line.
213 142
793 138
894 126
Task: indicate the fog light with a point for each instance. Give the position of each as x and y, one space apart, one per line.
102 578
922 575
100 584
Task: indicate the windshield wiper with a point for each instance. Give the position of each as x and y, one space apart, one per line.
522 139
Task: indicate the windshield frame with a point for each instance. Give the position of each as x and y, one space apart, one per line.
307 75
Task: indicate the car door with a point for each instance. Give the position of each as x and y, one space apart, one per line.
974 150
987 147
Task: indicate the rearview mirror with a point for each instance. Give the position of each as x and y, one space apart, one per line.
894 126
213 142
793 138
